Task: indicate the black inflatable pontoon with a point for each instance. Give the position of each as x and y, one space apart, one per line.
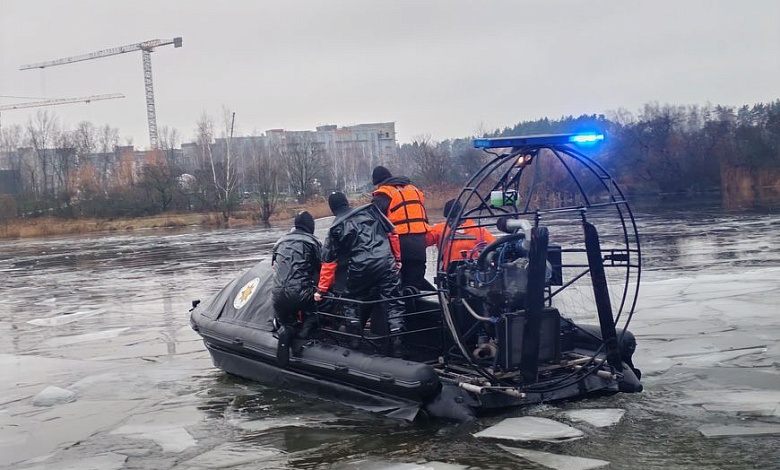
500 329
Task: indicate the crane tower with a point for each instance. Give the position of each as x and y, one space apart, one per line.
146 49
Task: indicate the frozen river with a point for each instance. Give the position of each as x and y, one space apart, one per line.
99 368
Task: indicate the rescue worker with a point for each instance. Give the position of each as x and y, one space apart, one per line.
296 267
404 204
360 260
468 236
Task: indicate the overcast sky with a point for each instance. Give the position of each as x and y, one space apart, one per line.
445 68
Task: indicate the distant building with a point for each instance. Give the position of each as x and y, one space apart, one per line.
10 182
352 150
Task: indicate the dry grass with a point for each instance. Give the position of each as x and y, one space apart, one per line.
318 207
48 226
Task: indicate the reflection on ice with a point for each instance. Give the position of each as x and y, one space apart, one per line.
597 417
531 428
556 461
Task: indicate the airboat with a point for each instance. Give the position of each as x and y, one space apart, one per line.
539 315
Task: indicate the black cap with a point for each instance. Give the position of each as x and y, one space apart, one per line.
451 206
337 202
305 222
380 174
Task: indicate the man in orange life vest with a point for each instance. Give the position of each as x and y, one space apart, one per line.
467 236
402 203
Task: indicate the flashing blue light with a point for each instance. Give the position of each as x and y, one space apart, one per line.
538 140
586 138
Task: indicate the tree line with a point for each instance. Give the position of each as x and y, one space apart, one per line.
86 172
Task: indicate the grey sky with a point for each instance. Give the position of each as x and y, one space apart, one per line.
444 68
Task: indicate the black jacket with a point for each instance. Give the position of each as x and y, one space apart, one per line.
296 265
358 243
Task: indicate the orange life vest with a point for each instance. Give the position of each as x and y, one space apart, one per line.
467 237
406 210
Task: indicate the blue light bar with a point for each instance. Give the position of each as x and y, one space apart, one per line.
537 140
586 138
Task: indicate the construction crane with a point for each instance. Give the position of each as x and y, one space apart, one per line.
54 102
146 49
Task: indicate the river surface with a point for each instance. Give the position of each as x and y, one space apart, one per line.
104 319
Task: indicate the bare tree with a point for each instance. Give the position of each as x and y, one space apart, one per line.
160 182
107 143
430 161
222 165
304 164
64 163
42 131
86 138
267 173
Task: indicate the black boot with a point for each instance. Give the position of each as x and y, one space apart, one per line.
397 348
397 340
284 335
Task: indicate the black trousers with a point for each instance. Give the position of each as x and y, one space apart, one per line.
413 274
386 286
286 307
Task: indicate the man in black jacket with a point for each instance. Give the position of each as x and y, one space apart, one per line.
296 265
360 261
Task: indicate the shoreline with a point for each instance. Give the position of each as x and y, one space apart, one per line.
41 227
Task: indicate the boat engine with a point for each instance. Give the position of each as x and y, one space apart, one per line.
492 304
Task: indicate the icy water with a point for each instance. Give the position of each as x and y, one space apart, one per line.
99 368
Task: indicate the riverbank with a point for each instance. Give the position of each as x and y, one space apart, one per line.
246 216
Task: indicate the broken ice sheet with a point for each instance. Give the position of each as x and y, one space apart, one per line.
530 428
62 319
597 417
742 402
168 437
556 461
105 461
384 465
164 427
716 430
233 455
86 337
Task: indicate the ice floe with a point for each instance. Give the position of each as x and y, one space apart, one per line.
597 417
530 428
52 395
63 319
556 461
742 402
715 430
86 337
169 437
